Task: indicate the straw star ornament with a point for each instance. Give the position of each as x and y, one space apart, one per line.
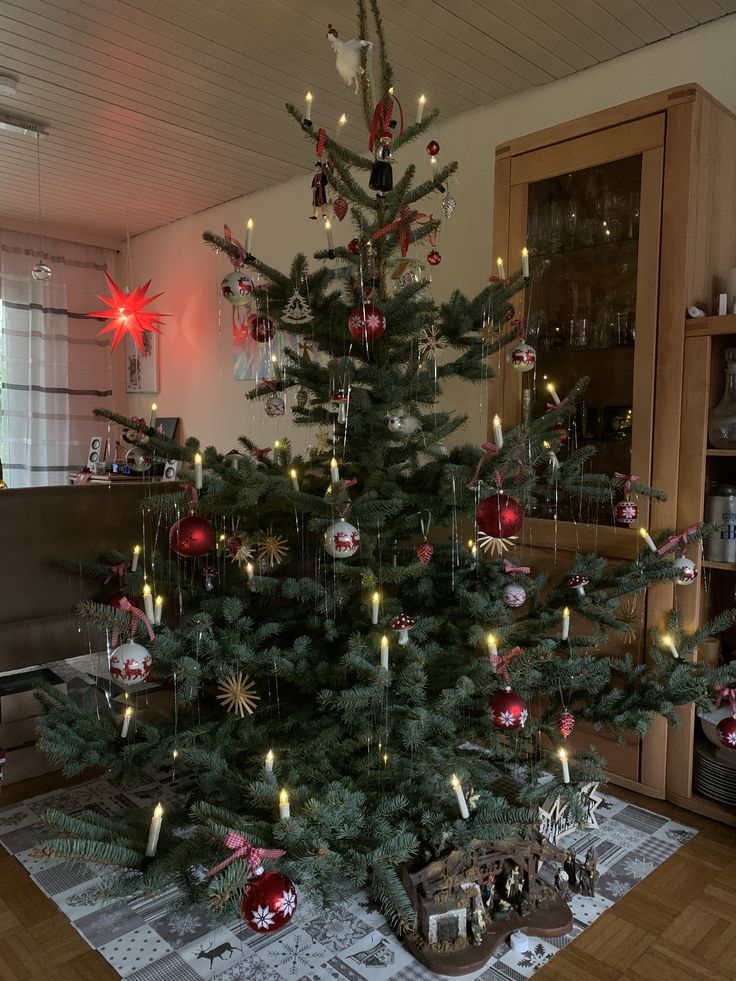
238 694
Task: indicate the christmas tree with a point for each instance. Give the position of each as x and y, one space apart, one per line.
350 652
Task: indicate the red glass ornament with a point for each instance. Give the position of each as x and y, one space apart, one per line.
269 902
434 258
354 246
499 516
508 710
726 730
433 148
369 327
424 551
565 723
262 329
191 537
626 512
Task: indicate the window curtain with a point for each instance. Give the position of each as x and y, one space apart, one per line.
54 370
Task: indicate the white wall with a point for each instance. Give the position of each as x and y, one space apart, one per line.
196 380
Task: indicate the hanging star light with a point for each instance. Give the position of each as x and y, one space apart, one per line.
237 694
126 314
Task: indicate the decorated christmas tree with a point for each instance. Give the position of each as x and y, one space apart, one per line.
352 654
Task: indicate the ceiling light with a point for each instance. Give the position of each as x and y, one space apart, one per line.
15 124
8 85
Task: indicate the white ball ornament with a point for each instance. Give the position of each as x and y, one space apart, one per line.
685 571
237 288
341 539
523 357
405 425
129 663
513 595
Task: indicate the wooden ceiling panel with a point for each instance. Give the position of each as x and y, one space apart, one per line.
156 111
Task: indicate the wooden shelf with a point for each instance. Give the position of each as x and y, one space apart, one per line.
710 326
705 806
720 453
726 566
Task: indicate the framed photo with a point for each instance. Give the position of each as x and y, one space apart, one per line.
141 367
168 426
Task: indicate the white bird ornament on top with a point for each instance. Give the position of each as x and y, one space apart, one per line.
347 54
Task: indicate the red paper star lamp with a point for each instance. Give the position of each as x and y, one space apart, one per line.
127 315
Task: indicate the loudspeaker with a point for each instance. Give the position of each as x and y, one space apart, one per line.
171 468
94 457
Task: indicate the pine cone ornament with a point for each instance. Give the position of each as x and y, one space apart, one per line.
565 723
424 551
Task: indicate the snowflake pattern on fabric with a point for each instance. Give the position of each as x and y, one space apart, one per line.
536 957
262 918
638 867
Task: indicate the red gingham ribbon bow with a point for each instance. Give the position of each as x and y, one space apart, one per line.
242 848
682 540
228 236
723 693
380 124
321 142
136 616
628 479
120 571
500 662
509 568
489 451
551 405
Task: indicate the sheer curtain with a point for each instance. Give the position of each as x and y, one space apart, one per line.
53 368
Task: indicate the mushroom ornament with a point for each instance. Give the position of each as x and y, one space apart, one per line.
403 623
340 400
579 583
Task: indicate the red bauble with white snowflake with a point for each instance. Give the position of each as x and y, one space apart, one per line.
192 537
434 258
499 516
354 246
269 902
726 730
366 322
237 288
262 329
508 710
626 512
424 551
565 723
685 571
129 663
523 357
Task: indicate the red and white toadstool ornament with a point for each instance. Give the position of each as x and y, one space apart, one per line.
403 623
508 710
269 902
578 583
339 400
726 730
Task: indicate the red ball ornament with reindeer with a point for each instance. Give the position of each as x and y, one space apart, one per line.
508 710
192 537
726 730
366 322
129 663
499 516
269 902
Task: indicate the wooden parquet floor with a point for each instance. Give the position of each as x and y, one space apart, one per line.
679 924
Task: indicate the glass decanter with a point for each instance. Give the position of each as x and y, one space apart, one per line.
722 418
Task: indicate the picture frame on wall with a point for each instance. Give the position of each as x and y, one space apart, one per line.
141 367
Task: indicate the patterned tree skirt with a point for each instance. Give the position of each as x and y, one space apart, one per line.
146 941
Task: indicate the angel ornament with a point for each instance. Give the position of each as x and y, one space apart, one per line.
347 54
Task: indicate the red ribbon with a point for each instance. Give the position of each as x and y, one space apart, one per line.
520 326
321 142
509 568
242 848
380 124
683 540
628 479
490 450
500 662
403 223
136 616
120 571
228 236
260 452
723 693
551 405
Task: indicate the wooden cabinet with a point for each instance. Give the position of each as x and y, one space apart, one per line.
629 216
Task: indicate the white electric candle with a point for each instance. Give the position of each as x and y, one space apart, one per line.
155 830
384 652
669 643
553 393
198 471
284 812
647 538
500 268
565 768
420 108
158 610
269 761
249 571
248 236
294 479
565 623
127 716
334 471
308 102
154 415
328 233
525 262
375 600
461 802
136 556
492 649
148 602
497 432
341 122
